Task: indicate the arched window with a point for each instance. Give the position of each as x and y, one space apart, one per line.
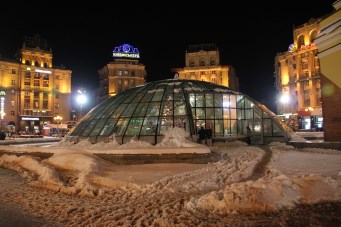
27 62
36 63
202 62
313 35
212 61
300 41
45 65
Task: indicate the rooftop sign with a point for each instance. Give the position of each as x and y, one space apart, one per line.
126 51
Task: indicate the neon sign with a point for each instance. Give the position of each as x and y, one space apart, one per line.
42 71
126 51
305 47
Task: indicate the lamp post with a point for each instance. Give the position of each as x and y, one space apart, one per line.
81 100
2 115
58 119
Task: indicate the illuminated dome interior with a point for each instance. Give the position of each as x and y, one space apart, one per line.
147 111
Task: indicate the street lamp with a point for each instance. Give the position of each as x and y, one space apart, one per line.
81 100
2 116
58 118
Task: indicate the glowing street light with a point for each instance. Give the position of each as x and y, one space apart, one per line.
81 99
284 98
58 119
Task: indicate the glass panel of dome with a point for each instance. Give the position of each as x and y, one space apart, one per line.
147 97
248 103
199 100
227 127
200 123
233 102
119 111
192 99
89 128
233 113
179 96
257 112
168 96
226 100
120 127
134 126
209 100
180 108
200 113
128 112
234 126
167 108
80 128
218 128
267 127
240 101
210 113
153 109
241 114
226 112
141 109
249 114
158 95
166 124
276 130
149 126
98 127
218 113
218 100
209 124
108 127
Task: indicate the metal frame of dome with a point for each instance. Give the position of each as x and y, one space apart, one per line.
146 112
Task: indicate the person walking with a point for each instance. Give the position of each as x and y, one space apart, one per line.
202 135
209 137
248 135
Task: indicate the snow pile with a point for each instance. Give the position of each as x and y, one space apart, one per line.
269 193
294 137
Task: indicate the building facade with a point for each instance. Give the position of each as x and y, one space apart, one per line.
329 53
203 63
33 91
123 73
298 85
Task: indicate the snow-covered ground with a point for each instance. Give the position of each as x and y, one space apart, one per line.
74 187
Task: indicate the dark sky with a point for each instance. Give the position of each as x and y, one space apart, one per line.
248 36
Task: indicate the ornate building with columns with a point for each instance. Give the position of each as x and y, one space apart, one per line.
33 91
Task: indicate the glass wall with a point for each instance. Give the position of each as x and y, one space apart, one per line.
146 112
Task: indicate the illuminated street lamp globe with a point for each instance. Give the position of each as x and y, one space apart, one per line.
81 99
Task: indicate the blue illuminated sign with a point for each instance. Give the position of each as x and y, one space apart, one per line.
126 51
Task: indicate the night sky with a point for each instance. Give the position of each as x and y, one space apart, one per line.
248 35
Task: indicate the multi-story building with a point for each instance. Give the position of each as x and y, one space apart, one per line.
203 63
297 73
33 92
123 73
329 53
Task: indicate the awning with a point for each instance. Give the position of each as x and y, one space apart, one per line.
303 113
11 123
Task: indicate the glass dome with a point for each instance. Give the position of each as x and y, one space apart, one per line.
147 111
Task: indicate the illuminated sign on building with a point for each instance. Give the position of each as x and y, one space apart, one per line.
43 71
2 93
292 48
30 119
126 51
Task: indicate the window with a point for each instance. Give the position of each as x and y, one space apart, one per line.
13 71
27 93
57 86
28 74
45 95
132 73
57 96
36 63
45 83
126 72
27 62
56 105
45 65
119 72
12 103
36 104
27 83
12 113
36 83
13 82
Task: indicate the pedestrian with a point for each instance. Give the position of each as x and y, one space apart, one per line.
248 135
209 137
202 135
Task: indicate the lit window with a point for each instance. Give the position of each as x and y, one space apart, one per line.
12 103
